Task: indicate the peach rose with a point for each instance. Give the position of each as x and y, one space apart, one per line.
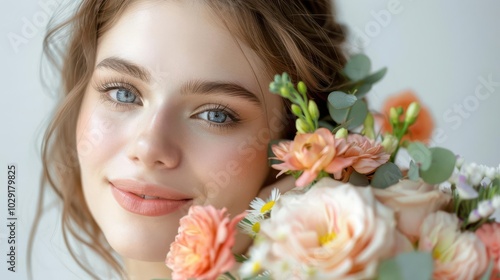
311 153
422 129
490 236
365 154
330 232
457 255
412 202
202 248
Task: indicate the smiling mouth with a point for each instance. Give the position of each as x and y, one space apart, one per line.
147 197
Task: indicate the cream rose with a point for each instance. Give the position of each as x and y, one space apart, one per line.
412 203
457 255
330 232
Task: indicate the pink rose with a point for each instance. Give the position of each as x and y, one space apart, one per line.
202 248
490 236
457 255
311 153
412 202
330 232
364 153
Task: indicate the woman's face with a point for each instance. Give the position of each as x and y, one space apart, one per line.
173 116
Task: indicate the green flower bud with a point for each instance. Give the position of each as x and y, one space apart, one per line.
302 126
368 129
296 110
394 116
412 113
400 110
390 143
277 78
301 86
273 87
285 78
285 92
313 110
341 133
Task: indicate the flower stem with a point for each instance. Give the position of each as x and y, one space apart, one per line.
400 136
228 275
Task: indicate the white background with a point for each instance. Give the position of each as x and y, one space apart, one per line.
440 49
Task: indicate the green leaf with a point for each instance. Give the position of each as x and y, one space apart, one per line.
326 125
338 115
407 266
341 100
240 258
363 90
357 114
357 179
441 168
413 172
357 67
421 154
375 77
386 175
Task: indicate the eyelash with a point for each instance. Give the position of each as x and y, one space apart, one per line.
109 85
233 116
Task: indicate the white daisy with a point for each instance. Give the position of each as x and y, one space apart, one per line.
261 207
250 224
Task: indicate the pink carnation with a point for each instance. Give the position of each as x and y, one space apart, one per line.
490 236
311 153
202 248
364 154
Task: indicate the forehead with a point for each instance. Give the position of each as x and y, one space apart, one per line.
181 40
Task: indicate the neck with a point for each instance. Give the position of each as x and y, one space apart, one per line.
139 270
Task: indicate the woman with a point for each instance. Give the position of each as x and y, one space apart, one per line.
166 105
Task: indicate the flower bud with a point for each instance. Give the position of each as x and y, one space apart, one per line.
474 216
273 87
368 127
313 109
302 126
285 92
485 209
412 113
341 133
302 88
390 143
394 116
296 110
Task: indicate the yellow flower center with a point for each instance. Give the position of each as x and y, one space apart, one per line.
268 206
325 239
256 267
442 253
256 227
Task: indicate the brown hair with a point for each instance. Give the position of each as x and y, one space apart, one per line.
299 37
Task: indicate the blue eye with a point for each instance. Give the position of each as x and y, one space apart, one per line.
123 95
214 116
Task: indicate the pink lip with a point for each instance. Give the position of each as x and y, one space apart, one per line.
126 192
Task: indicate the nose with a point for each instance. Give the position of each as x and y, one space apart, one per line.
154 145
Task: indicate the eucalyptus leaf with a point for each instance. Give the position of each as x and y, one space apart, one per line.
441 168
357 67
357 114
375 77
338 115
415 265
413 172
341 100
421 154
386 175
389 270
363 90
357 179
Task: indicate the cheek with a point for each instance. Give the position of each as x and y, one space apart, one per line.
233 170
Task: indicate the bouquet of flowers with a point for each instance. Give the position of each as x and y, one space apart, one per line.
354 213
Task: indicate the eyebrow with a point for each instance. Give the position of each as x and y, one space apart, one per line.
126 67
218 87
191 87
